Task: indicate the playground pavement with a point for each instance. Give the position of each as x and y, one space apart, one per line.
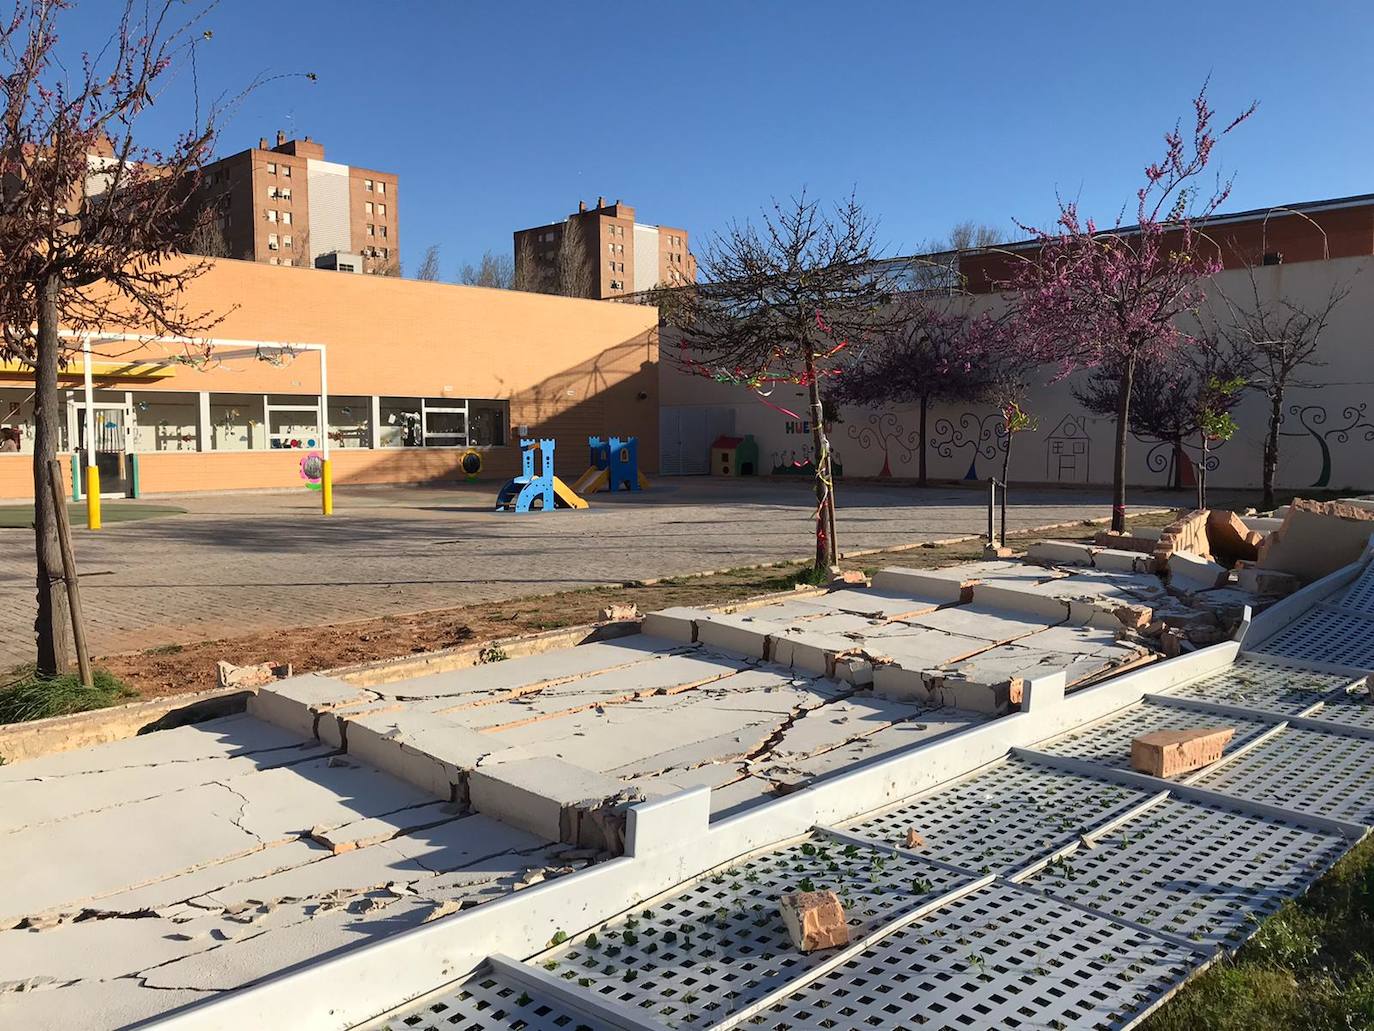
250 563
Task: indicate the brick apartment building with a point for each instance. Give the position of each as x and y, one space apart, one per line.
610 253
287 205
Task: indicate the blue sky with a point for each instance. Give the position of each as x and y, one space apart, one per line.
502 115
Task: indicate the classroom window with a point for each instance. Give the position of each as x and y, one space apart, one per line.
165 421
350 422
293 421
400 422
236 422
487 422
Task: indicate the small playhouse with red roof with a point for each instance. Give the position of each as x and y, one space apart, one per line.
735 456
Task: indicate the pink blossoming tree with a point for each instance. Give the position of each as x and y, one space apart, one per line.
1111 298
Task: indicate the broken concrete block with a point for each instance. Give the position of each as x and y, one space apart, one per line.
1171 643
1117 560
1168 753
900 685
1202 635
995 551
739 634
854 670
555 800
1317 538
809 652
227 675
1134 617
425 749
1190 572
914 840
1045 608
616 613
1061 553
815 920
1270 582
1230 538
1144 540
851 576
945 588
297 703
675 624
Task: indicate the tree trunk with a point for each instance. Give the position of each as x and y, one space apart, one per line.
1271 450
1202 474
925 406
1123 415
1006 466
50 625
824 545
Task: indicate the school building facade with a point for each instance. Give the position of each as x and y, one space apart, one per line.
420 374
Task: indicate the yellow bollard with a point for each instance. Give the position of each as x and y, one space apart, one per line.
327 487
92 498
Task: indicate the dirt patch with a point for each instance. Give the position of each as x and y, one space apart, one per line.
178 669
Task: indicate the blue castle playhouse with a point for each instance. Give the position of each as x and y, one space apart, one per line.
521 493
614 465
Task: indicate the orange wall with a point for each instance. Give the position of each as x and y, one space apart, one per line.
569 368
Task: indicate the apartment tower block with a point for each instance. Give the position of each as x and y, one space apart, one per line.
287 205
602 252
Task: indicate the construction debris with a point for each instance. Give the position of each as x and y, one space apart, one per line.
1317 538
230 676
815 920
615 613
1167 753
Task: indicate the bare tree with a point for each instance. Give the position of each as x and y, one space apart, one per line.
780 304
89 218
429 264
206 237
527 274
572 272
970 235
1273 339
496 271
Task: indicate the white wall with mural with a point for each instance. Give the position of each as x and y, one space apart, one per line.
1327 437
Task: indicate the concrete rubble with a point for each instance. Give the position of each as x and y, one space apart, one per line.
162 869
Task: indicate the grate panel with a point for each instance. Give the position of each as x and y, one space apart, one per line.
1353 709
1257 684
691 959
485 1002
997 958
1199 871
1003 817
1359 596
1108 743
1327 774
1326 634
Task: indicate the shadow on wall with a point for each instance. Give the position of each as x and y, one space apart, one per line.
615 392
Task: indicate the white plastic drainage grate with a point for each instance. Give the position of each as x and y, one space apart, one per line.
1359 596
691 959
1201 872
1307 770
1002 817
1352 710
1000 957
1109 742
1328 634
1256 684
485 1002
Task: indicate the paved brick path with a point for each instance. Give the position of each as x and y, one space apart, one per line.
249 562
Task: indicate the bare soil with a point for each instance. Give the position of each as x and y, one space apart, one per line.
178 668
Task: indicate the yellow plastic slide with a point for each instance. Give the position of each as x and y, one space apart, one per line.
591 481
564 493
